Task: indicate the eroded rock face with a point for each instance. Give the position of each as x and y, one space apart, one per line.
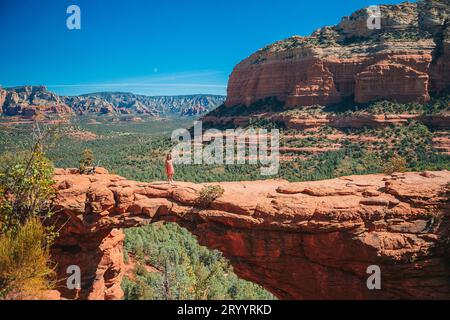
298 240
30 101
317 88
391 81
403 61
440 77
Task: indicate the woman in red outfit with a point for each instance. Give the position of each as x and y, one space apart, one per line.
169 168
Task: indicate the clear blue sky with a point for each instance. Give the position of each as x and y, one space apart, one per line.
154 47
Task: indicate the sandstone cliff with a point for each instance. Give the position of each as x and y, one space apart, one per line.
405 60
298 240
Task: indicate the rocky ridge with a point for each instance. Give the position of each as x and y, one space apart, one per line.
308 240
33 101
29 101
308 121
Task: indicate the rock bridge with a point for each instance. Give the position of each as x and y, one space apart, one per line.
308 240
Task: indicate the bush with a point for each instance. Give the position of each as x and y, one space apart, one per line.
26 189
25 270
26 185
395 164
210 193
87 160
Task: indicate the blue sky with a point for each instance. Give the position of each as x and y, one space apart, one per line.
153 47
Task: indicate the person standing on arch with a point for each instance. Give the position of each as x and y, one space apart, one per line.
170 171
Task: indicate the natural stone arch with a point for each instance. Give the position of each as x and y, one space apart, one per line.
298 240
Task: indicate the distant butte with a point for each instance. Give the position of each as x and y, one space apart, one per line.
404 61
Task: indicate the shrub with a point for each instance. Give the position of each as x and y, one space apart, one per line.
87 160
395 164
210 193
26 189
26 185
25 270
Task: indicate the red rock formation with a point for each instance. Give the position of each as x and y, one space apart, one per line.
405 60
391 81
441 143
440 75
30 101
299 240
318 88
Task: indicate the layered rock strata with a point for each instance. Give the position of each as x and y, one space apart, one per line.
405 60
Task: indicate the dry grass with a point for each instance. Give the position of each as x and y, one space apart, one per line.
25 268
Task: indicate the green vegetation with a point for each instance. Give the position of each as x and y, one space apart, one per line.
136 151
435 106
438 104
182 269
412 34
26 186
333 36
